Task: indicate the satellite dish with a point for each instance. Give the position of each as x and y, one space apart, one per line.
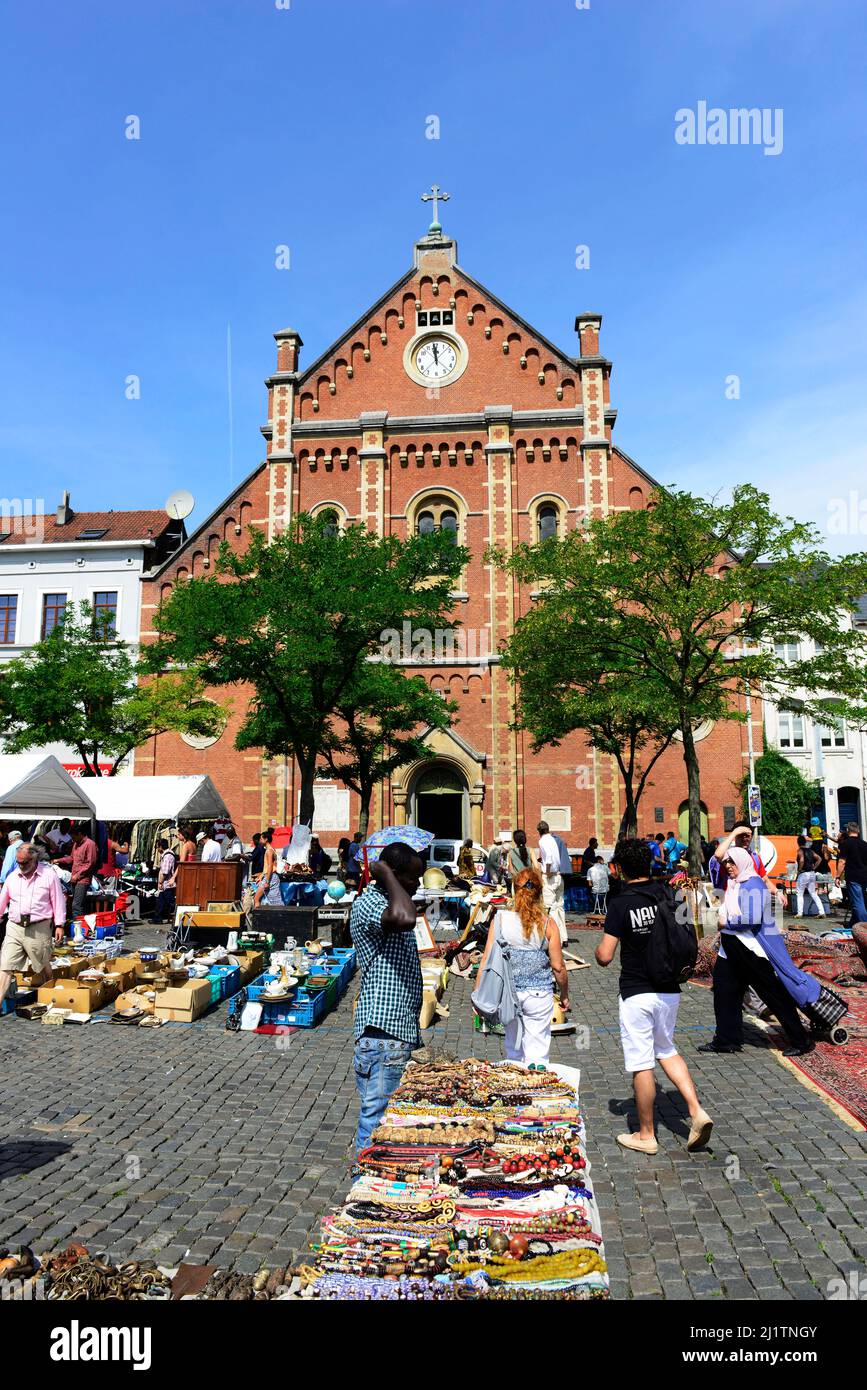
179 505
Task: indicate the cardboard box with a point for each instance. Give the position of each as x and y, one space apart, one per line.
218 919
25 979
73 996
67 967
124 966
252 964
185 1002
135 998
147 967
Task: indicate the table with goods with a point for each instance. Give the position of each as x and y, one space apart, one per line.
476 1185
146 987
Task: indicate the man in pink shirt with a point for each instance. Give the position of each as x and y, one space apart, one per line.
82 861
34 898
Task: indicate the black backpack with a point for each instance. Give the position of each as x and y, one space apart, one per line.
672 950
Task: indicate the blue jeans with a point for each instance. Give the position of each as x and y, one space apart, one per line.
379 1063
856 898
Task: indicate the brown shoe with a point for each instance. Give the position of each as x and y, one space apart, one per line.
634 1141
699 1133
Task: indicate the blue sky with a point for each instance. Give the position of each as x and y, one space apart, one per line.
306 126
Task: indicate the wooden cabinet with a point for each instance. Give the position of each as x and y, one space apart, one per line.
209 883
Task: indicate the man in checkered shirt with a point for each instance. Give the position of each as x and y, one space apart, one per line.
386 1017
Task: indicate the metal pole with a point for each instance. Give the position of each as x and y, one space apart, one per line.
750 748
757 830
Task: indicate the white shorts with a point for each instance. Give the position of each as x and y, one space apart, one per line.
647 1023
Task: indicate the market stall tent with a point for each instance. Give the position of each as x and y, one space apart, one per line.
156 798
37 785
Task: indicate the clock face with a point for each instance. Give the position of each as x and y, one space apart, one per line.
436 359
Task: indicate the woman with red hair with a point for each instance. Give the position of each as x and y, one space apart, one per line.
532 939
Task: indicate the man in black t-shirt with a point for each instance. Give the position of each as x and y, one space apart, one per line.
853 852
648 1008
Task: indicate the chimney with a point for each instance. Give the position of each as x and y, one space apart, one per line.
587 327
64 511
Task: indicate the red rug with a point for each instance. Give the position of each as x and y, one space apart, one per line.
840 1071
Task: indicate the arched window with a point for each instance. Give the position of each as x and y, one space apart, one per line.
331 516
547 517
449 522
548 522
438 513
330 522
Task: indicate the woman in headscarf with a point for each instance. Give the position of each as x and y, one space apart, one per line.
752 952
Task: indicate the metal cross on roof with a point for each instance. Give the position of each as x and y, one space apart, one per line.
435 196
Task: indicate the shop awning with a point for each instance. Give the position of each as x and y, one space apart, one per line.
37 785
155 798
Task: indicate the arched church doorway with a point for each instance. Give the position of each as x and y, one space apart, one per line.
440 802
683 821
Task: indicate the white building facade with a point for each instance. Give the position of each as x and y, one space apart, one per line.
48 563
833 754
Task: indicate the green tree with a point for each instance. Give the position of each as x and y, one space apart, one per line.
81 686
567 679
383 717
788 797
297 620
695 595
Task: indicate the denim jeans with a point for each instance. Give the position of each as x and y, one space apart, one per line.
379 1063
856 898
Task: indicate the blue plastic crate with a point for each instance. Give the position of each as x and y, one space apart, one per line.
305 1010
256 988
228 978
342 953
104 933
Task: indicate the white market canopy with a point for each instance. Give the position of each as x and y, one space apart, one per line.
155 798
37 785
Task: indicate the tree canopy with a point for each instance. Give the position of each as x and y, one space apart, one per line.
80 686
383 718
686 599
569 678
298 620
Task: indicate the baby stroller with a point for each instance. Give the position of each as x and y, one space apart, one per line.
825 1016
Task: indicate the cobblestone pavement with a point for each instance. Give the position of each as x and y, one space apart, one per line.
225 1148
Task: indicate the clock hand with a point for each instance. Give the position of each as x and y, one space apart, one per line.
435 353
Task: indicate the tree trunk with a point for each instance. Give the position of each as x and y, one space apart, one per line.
693 780
365 795
629 819
308 802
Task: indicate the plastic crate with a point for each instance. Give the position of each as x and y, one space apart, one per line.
228 978
330 991
256 988
110 948
342 953
305 1010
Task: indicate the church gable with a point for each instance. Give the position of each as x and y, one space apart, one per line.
437 343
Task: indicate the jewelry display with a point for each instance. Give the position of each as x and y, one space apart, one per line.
474 1185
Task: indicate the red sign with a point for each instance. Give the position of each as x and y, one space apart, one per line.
78 769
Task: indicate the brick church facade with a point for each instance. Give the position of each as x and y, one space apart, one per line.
442 406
